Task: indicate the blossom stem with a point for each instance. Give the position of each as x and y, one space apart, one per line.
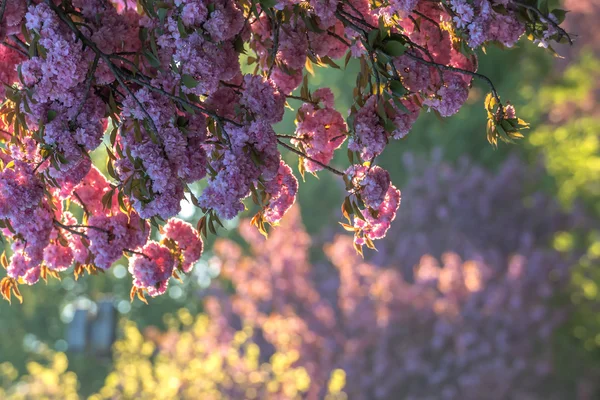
73 228
19 42
275 45
459 70
338 37
290 96
88 85
139 253
286 136
15 48
70 229
85 210
301 154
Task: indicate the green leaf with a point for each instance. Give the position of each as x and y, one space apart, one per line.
154 62
560 15
372 37
113 135
330 62
51 115
181 29
189 81
162 14
394 48
268 3
398 88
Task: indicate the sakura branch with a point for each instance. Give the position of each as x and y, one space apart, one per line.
161 88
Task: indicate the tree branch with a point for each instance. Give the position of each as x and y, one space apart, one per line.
301 154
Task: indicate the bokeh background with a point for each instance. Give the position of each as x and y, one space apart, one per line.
486 287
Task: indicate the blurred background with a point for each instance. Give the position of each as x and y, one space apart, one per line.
486 287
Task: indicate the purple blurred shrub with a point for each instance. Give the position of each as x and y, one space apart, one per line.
477 325
473 212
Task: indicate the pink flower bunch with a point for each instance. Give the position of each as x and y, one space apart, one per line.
90 191
62 66
372 183
31 236
237 170
171 154
262 98
509 112
321 130
110 236
370 137
152 268
450 97
283 189
376 227
188 240
20 190
405 118
9 58
13 15
57 257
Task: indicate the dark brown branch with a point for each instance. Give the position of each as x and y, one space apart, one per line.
85 210
425 17
69 229
459 70
20 43
180 100
301 154
275 45
15 48
287 136
338 37
73 228
88 85
139 253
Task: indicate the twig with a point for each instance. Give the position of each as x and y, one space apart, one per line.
69 229
15 48
459 70
361 20
275 45
301 154
85 210
377 78
425 17
182 101
72 228
338 37
290 96
40 163
21 43
287 136
137 252
88 85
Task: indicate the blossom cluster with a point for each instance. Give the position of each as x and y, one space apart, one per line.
158 88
